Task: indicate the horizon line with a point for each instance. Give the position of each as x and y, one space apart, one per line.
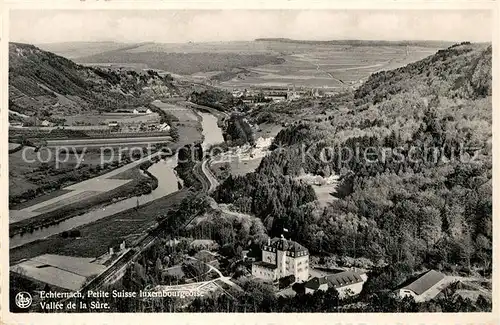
260 39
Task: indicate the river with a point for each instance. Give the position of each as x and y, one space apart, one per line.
212 133
167 183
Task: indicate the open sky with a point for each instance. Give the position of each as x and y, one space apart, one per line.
178 26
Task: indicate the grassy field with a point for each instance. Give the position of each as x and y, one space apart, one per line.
76 197
238 168
40 199
29 172
97 236
187 122
34 174
135 186
97 119
106 142
324 192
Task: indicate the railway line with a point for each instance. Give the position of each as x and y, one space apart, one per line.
209 183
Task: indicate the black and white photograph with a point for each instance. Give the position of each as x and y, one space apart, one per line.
249 161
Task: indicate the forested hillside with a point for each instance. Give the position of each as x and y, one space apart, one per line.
221 100
413 148
40 80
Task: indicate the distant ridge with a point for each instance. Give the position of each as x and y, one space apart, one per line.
43 81
360 42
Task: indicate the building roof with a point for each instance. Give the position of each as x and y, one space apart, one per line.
266 265
283 244
423 282
337 280
62 271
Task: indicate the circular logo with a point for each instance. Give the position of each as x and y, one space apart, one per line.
23 300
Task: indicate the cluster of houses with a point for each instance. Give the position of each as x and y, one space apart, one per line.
138 110
274 94
281 258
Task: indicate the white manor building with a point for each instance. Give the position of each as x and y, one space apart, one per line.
281 258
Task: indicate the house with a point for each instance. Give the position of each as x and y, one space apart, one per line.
203 244
142 110
424 287
292 94
117 248
277 97
346 283
46 123
237 94
280 258
465 289
164 127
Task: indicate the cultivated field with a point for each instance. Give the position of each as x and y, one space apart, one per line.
72 194
271 63
62 201
97 236
27 172
328 67
107 142
99 119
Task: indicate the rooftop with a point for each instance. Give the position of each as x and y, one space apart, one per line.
337 280
423 282
283 244
62 271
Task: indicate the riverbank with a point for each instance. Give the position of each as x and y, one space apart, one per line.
97 236
164 172
139 184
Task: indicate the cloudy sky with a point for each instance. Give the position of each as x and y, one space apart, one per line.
175 26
